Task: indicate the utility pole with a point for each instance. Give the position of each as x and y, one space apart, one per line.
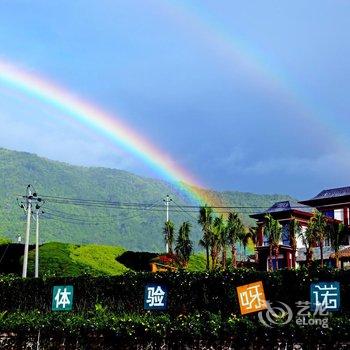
37 242
167 201
29 199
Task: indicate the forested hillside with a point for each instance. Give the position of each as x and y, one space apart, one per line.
120 224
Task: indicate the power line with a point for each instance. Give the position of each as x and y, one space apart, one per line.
82 219
186 212
116 203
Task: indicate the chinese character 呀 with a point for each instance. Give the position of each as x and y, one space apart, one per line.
251 297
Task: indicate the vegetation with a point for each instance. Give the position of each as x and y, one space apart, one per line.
308 242
100 258
234 233
206 330
184 246
273 231
202 310
189 292
168 232
218 234
4 240
205 219
318 227
62 259
336 234
133 229
197 262
294 232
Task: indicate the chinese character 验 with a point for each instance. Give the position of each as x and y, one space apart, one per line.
251 297
155 297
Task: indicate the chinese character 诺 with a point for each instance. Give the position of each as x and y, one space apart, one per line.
251 297
325 296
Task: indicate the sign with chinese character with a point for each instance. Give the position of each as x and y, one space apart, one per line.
155 297
325 296
62 298
251 297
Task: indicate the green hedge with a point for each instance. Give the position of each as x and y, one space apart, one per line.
188 292
183 329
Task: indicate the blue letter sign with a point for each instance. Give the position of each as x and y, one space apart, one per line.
325 296
155 297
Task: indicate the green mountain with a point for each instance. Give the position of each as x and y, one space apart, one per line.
84 222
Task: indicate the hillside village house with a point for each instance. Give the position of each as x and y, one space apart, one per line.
333 203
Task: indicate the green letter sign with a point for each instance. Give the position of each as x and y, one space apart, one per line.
62 298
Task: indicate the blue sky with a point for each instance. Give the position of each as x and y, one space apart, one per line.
250 96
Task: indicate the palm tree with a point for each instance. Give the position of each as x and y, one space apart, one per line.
224 241
217 239
205 219
253 235
309 241
184 245
273 230
234 229
244 238
294 232
319 226
336 234
168 231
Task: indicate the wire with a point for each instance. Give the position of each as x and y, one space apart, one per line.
104 202
82 219
190 215
3 255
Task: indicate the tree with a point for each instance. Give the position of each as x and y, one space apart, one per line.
217 241
205 219
319 227
184 245
244 238
309 241
294 232
273 230
253 235
224 241
234 230
336 233
168 231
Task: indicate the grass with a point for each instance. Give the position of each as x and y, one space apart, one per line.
63 259
100 258
4 240
197 262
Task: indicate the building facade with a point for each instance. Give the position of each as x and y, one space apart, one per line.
333 203
284 212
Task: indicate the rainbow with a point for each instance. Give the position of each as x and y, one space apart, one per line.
109 126
256 66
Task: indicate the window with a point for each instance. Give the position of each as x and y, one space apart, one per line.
329 213
285 234
339 214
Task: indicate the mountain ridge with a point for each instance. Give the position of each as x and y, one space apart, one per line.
132 228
